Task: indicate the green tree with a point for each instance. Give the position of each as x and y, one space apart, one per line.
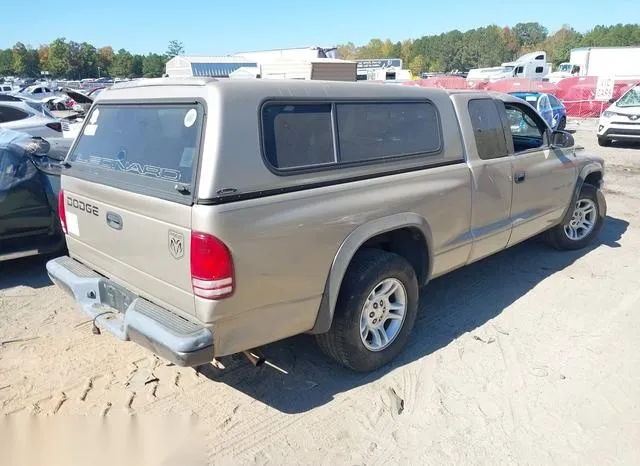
175 48
122 64
530 34
26 61
136 66
374 49
58 63
618 35
153 65
76 65
6 62
558 46
89 60
33 62
396 50
483 47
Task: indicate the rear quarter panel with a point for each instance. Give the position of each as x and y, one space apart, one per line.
284 245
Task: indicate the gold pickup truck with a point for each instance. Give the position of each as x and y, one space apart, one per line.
208 217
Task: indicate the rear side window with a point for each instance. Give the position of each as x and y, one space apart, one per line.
297 136
8 114
303 135
153 141
487 129
554 101
377 130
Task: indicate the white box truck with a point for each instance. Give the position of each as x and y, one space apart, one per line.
617 62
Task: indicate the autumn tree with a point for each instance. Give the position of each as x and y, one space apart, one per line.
104 59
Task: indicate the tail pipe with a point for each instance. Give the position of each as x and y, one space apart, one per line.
255 357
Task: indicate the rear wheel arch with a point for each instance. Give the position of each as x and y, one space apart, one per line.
399 233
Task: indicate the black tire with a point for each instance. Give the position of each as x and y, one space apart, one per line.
563 124
557 237
343 342
603 141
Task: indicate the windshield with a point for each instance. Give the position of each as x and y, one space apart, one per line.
631 98
154 141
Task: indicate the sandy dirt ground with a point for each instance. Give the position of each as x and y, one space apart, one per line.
527 357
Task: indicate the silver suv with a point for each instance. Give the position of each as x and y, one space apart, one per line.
205 217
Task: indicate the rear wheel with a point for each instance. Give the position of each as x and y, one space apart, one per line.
583 225
603 141
375 311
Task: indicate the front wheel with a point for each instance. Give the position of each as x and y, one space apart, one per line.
375 311
583 226
603 141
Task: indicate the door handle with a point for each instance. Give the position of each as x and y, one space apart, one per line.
519 177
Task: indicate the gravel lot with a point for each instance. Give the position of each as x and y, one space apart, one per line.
528 357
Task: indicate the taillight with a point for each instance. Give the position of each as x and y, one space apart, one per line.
61 212
55 126
212 274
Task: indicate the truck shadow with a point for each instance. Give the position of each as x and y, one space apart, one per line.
297 377
29 272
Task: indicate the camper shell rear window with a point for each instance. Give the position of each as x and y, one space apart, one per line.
152 148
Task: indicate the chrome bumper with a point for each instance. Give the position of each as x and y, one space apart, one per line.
130 317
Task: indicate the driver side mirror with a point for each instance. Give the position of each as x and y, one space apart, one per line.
561 139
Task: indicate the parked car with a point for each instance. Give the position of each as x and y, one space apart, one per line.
548 106
29 117
37 91
6 88
622 119
324 211
29 186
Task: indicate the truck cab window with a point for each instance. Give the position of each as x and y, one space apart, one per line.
527 128
487 129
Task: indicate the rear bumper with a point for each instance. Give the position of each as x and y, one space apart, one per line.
165 333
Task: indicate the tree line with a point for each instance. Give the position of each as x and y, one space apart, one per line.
454 50
490 46
72 60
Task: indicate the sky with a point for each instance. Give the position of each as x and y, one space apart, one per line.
217 27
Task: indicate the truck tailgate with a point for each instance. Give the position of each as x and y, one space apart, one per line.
140 242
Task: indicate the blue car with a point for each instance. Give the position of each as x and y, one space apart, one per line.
549 107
